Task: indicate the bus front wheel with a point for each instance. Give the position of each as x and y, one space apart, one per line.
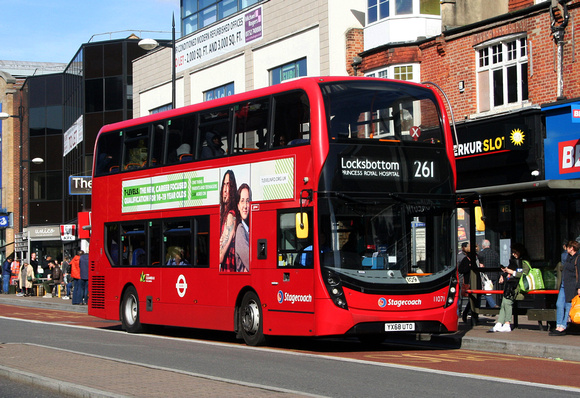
250 320
130 311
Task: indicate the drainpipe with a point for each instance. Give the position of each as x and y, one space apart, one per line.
558 33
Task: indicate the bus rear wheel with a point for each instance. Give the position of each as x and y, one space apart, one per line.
250 320
130 311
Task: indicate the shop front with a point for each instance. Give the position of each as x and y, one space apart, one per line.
505 166
46 240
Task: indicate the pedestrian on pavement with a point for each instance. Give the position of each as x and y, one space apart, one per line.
15 271
7 273
489 258
468 265
26 279
34 264
56 279
518 265
66 275
46 266
569 284
84 281
75 272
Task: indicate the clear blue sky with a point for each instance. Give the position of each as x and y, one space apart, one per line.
53 30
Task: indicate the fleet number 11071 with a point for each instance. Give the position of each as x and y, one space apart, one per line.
424 169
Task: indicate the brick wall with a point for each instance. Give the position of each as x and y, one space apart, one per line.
518 4
449 60
354 46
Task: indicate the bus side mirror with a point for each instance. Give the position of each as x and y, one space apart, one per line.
301 225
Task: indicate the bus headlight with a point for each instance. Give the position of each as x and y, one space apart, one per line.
451 292
334 288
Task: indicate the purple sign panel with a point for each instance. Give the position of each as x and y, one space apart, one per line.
253 24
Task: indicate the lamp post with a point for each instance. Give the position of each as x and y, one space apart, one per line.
151 44
4 116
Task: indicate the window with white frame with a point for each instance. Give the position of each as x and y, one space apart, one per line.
502 73
382 9
408 72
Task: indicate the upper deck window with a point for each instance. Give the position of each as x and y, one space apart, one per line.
385 111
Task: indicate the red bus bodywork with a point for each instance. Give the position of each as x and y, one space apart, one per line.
291 301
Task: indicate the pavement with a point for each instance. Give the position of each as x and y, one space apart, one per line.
527 340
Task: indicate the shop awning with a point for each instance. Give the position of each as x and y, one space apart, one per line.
530 186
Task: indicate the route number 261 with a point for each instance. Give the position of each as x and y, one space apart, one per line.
424 169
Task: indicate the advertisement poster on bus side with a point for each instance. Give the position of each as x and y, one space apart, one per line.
269 180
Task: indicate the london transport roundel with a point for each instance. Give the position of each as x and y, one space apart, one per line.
181 285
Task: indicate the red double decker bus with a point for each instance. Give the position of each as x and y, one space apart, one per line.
318 207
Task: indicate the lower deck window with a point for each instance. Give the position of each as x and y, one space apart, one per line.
168 242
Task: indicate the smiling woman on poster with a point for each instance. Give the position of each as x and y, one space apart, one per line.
243 229
228 217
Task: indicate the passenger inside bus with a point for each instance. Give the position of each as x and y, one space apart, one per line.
136 155
176 256
213 146
184 153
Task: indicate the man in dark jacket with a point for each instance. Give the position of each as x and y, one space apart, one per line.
84 281
213 146
6 273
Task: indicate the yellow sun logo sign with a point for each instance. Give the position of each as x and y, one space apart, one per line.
517 137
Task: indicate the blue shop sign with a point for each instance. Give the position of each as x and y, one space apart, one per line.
4 221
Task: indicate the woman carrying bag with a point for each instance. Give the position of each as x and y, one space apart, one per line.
26 279
511 291
569 288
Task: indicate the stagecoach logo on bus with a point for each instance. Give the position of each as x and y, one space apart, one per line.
370 168
181 285
292 298
383 302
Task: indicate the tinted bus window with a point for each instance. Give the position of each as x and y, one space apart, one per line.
291 119
112 240
133 244
394 112
202 241
155 243
109 153
181 139
157 141
177 242
251 125
214 128
292 251
136 148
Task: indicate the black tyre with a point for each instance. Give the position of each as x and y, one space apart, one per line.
130 311
251 320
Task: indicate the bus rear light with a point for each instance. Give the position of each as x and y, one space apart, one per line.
334 288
